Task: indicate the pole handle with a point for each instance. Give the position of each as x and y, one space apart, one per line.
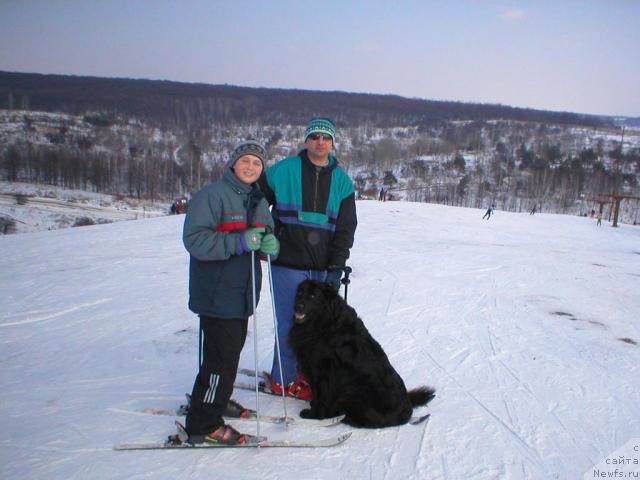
347 271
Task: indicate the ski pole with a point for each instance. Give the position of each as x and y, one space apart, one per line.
255 337
346 281
200 345
275 326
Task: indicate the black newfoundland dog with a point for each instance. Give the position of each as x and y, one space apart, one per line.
348 371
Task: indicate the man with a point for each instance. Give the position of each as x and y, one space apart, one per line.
314 213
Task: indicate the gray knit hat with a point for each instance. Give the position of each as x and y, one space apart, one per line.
250 147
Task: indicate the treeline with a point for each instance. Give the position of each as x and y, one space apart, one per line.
509 164
160 140
540 176
152 172
192 107
512 166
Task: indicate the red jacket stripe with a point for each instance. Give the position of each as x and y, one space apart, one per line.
233 226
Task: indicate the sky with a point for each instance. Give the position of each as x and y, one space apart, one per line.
560 55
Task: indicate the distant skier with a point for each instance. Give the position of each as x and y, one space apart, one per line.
533 210
599 224
487 215
382 197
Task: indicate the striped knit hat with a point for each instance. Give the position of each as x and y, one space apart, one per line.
250 147
320 125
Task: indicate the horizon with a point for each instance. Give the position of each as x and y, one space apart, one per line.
315 91
578 57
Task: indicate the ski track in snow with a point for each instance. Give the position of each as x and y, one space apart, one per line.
516 322
55 315
525 448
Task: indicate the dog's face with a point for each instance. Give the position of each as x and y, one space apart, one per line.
312 298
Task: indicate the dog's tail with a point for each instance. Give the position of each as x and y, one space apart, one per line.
421 395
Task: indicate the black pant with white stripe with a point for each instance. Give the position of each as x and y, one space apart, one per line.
222 339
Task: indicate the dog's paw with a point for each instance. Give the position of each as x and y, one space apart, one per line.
306 413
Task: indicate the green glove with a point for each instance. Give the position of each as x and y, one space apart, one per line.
251 239
270 244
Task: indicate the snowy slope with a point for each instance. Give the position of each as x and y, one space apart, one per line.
516 321
46 207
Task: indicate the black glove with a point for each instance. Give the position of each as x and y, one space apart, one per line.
334 274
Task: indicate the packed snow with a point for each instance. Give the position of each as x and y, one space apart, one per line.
527 326
34 207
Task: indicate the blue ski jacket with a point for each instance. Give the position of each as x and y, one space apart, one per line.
219 272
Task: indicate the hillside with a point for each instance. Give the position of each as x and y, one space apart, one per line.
29 208
156 141
164 103
525 325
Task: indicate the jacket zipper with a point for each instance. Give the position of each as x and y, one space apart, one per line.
315 196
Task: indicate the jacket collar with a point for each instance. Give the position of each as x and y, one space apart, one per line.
333 162
231 179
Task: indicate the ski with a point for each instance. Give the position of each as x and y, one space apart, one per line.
263 387
417 420
179 441
233 413
250 372
171 444
324 422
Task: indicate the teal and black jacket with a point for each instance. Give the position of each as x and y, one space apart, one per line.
314 212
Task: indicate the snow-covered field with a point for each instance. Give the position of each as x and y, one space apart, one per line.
517 321
50 208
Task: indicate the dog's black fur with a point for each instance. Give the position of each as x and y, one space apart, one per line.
347 369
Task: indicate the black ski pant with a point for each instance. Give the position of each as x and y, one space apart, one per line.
222 342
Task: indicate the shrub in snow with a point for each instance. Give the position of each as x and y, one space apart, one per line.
83 222
7 225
